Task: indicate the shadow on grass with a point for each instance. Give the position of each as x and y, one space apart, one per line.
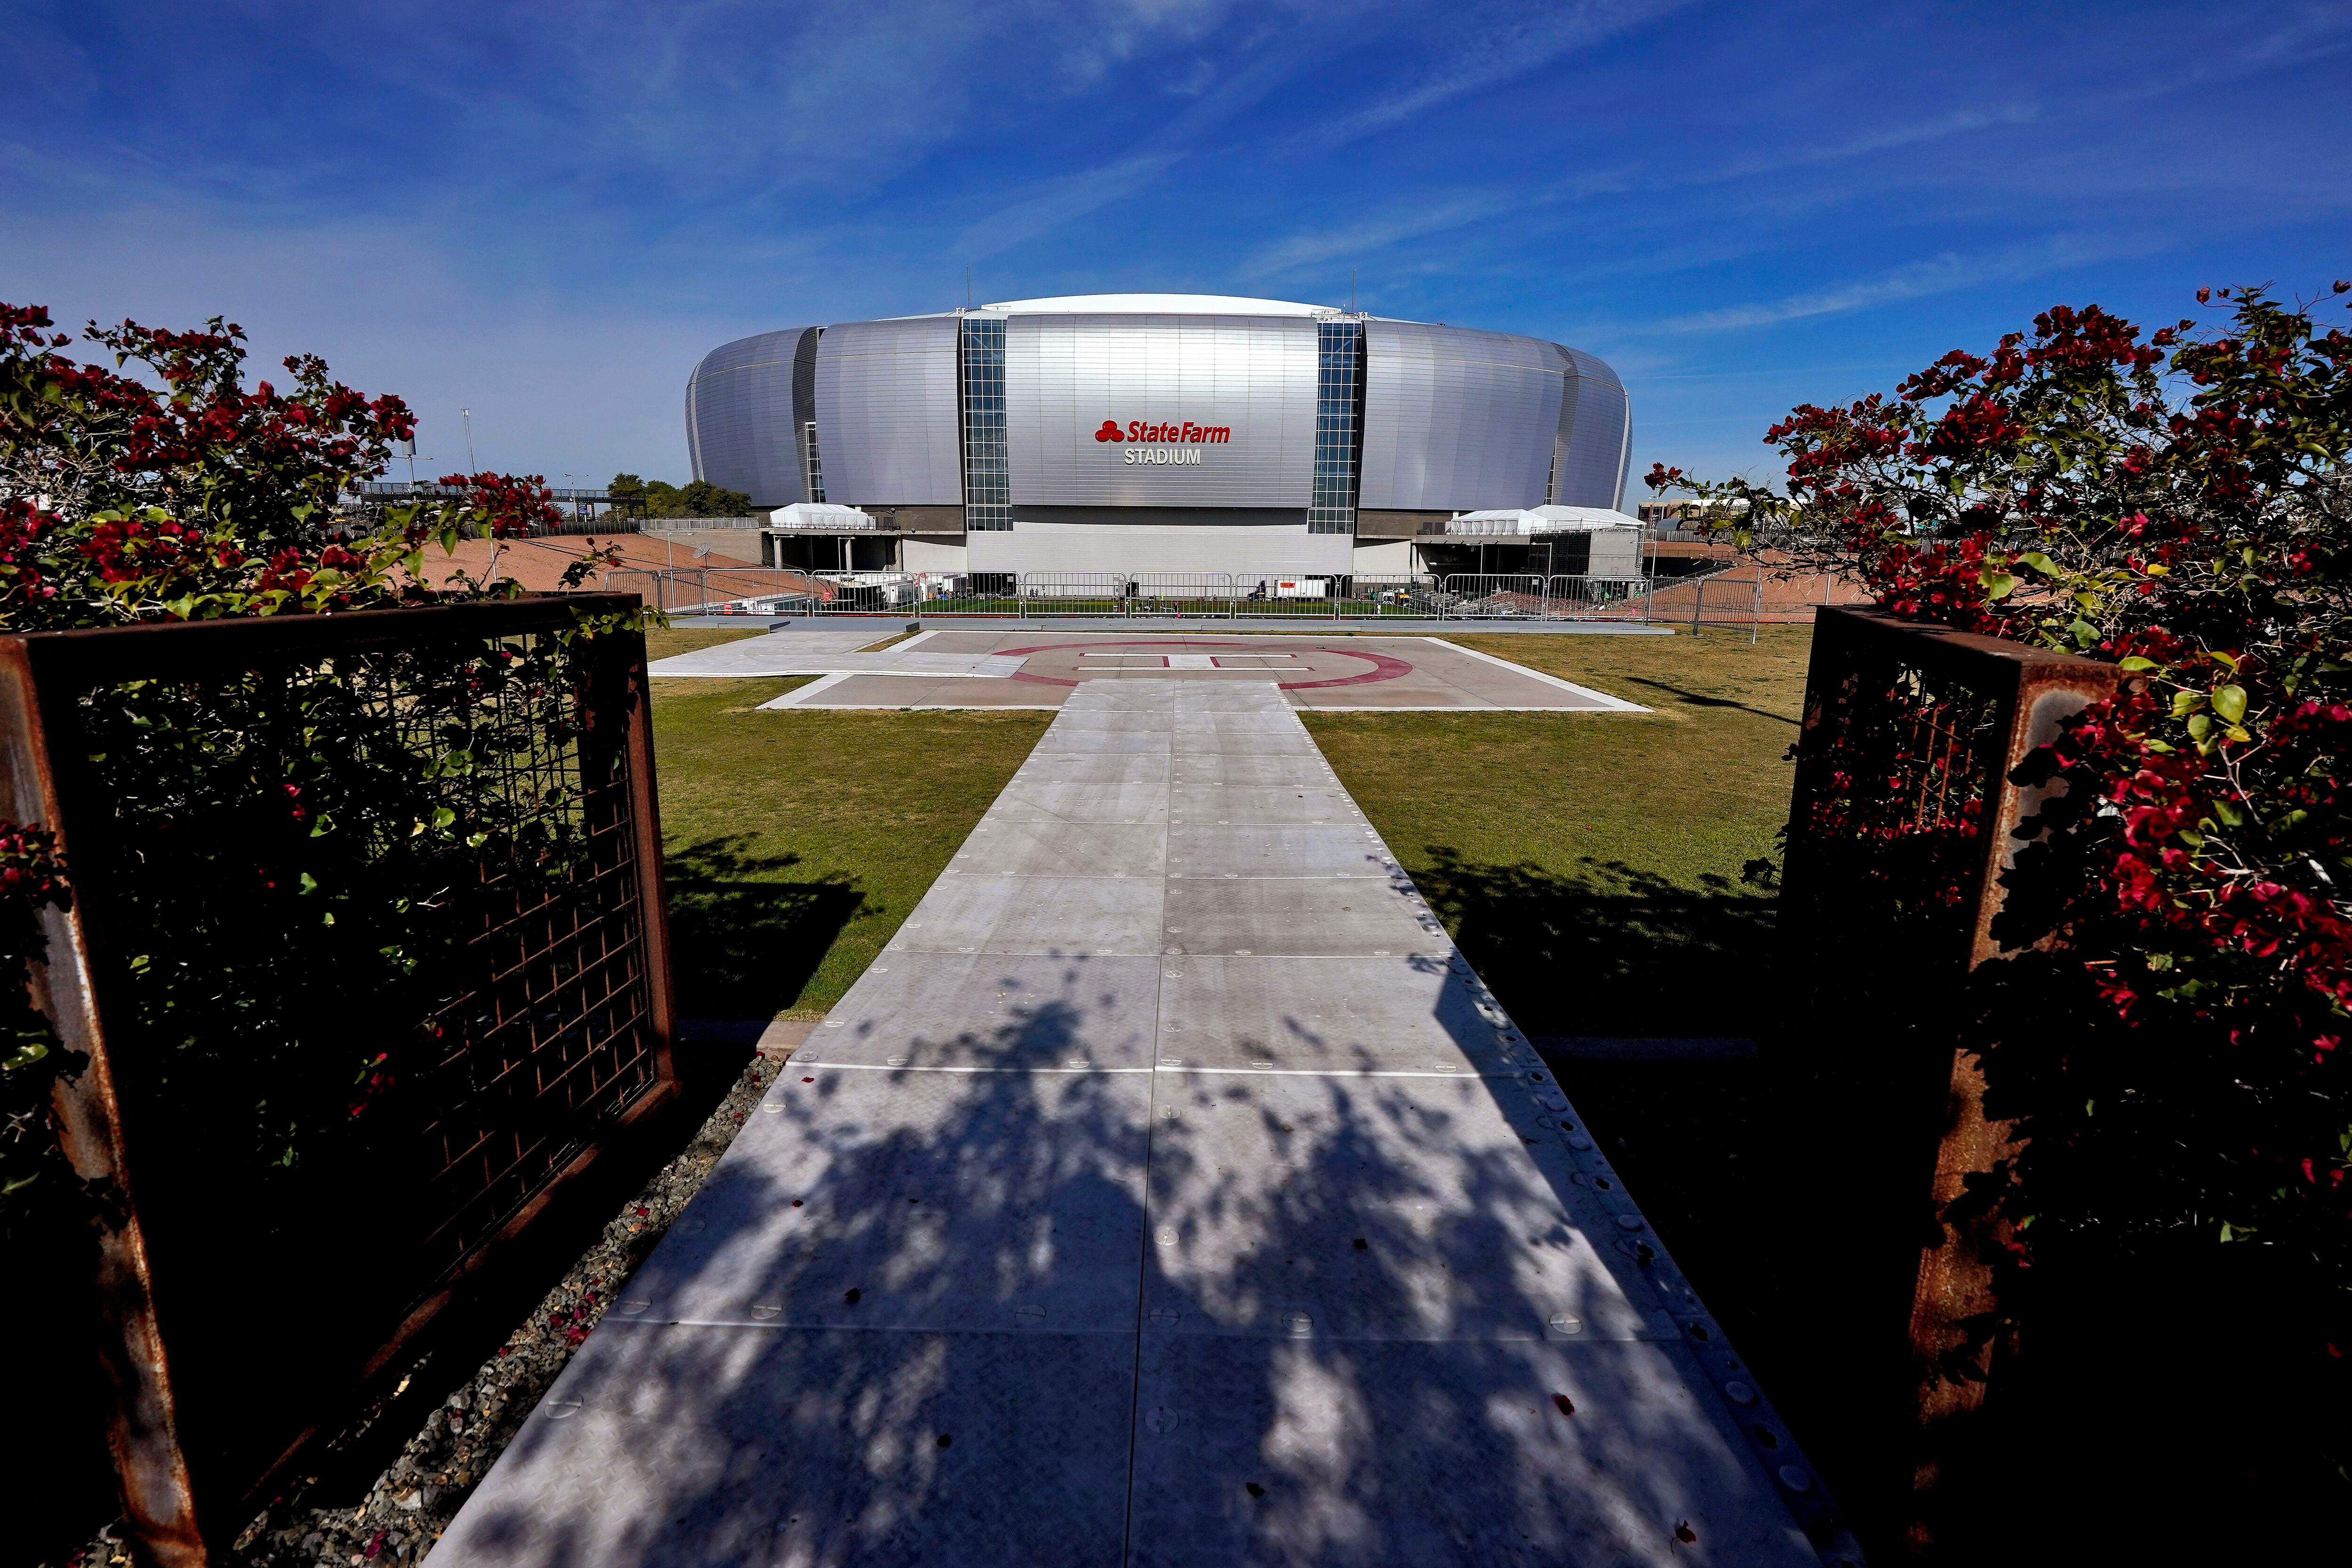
1608 949
1710 1145
744 937
1697 700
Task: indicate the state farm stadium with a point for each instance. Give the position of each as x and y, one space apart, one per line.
1165 432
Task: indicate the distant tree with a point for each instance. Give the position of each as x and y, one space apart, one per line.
700 499
626 487
703 499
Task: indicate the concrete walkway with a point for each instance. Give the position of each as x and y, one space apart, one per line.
831 651
1167 1193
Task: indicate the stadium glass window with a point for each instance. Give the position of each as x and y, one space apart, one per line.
1339 385
987 475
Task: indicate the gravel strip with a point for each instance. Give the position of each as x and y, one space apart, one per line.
413 1501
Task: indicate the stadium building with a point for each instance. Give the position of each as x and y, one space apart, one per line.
1166 432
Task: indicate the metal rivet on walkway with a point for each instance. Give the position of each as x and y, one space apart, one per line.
559 1409
1566 1323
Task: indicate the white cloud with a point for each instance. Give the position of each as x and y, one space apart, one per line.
1945 274
1498 54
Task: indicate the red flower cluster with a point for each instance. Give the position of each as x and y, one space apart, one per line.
513 506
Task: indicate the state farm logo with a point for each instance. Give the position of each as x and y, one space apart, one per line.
1177 431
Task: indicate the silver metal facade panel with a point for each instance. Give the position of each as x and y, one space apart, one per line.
1597 447
1457 420
888 417
1253 376
742 418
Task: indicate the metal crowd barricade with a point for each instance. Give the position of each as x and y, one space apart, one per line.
1494 596
1090 593
1405 597
1597 598
1181 595
1161 595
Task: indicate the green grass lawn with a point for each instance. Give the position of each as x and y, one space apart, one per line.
1590 864
797 842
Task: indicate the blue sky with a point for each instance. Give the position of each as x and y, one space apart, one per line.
548 212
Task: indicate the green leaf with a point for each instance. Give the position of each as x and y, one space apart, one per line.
443 816
2228 812
2229 702
2184 704
2199 725
2086 634
2135 663
309 883
25 1055
1999 585
2038 563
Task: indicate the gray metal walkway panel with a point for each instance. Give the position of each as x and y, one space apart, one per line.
1059 800
1257 805
1297 1452
1331 849
1294 770
1017 1013
1020 845
1297 1205
1033 914
1095 767
1168 1192
866 1199
1399 1013
1268 917
697 1448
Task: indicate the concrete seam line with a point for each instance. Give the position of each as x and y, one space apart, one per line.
1613 704
796 698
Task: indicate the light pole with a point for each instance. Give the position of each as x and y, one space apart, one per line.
471 465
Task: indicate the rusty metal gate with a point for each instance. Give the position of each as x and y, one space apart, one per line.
257 1297
1903 819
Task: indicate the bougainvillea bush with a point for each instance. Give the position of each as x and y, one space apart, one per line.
288 842
2180 1049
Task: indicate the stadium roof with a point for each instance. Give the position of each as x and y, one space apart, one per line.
1159 305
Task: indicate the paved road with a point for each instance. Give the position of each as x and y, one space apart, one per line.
1167 1193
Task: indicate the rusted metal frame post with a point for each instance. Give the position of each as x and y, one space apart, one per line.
2034 691
2039 691
142 1432
42 678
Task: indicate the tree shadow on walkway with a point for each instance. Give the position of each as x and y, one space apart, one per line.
900 1325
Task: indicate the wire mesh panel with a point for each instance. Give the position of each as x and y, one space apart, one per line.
1181 595
1091 594
1592 598
1495 596
1402 597
971 594
1262 595
367 941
